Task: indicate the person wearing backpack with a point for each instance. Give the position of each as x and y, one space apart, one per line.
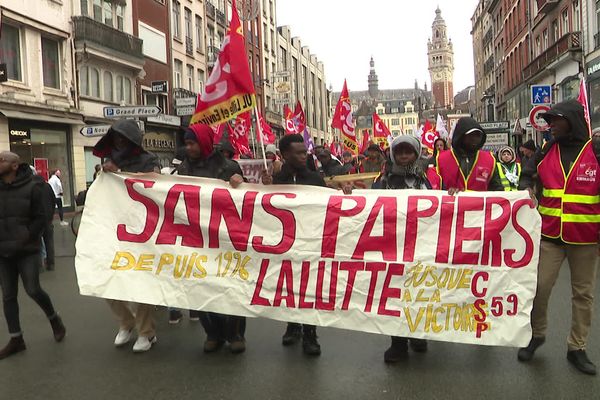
565 171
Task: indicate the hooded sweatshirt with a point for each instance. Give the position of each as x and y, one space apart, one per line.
131 159
511 169
22 214
466 158
570 146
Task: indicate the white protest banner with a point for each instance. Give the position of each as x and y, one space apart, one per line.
253 168
397 262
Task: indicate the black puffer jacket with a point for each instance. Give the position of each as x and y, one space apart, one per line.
216 166
22 214
289 176
49 199
135 159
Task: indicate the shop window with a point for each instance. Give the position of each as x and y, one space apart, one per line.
50 63
10 51
570 89
50 145
108 86
595 102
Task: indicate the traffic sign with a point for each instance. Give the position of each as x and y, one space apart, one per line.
536 120
183 111
185 102
131 111
159 87
541 94
101 130
94 130
165 120
495 125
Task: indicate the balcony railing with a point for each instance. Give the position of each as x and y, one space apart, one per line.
189 46
212 54
88 30
569 42
489 65
487 38
210 9
545 6
221 18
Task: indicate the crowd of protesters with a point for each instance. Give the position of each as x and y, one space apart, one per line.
569 204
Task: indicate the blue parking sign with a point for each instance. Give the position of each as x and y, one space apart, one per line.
541 94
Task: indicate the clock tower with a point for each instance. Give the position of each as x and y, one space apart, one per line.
441 64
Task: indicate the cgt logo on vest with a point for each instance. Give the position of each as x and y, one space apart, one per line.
586 173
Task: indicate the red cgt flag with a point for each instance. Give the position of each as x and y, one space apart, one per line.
583 100
429 135
229 90
240 133
268 137
366 141
295 122
380 132
342 120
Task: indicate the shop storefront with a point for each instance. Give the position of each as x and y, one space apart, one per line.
593 78
160 137
47 147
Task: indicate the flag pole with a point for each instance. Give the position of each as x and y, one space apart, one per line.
260 132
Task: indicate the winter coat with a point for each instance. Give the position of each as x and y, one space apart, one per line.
288 176
216 166
136 159
22 214
48 197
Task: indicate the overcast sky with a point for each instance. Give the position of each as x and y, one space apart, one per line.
344 34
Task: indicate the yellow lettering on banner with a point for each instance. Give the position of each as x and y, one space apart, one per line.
190 265
407 298
201 271
429 276
143 261
420 296
123 255
465 280
180 266
412 325
224 111
435 297
165 259
443 317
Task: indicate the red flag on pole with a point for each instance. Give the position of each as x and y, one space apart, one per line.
583 100
295 121
342 120
267 132
380 132
366 141
229 90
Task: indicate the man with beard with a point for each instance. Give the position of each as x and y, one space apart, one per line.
566 171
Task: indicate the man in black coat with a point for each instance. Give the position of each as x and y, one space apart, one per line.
122 150
204 160
22 219
295 172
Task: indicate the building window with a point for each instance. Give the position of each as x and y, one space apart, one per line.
395 121
120 17
98 10
151 99
84 86
200 81
84 7
545 36
176 19
565 22
188 23
10 52
555 31
123 89
50 63
190 77
107 13
178 70
199 33
576 16
108 86
94 87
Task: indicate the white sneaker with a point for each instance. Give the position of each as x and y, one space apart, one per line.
143 344
123 337
64 223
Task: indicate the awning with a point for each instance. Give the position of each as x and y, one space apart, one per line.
66 119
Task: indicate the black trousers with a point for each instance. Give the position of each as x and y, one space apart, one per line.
48 237
28 267
223 327
59 205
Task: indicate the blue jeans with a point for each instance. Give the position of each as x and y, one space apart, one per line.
28 267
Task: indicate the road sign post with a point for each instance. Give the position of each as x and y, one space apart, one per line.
536 120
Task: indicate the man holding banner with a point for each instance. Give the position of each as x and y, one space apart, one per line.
567 174
202 160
